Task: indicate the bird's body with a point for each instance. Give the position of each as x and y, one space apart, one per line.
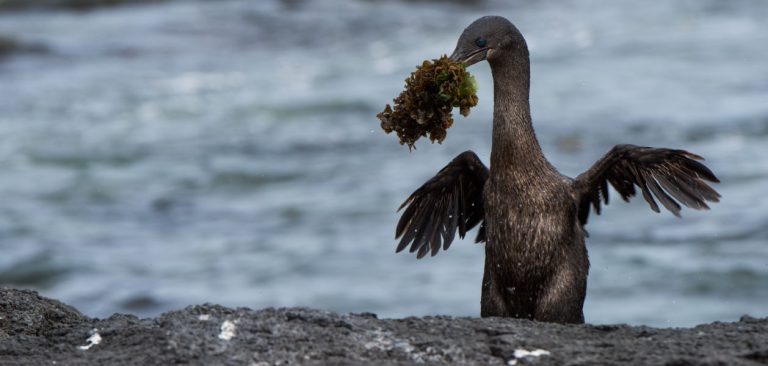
535 257
531 217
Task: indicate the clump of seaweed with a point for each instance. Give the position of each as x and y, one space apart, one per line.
424 107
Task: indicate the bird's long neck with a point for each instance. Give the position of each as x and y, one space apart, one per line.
515 148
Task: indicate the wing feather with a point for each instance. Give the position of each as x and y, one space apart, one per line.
672 177
450 201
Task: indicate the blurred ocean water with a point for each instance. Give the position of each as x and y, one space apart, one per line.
161 155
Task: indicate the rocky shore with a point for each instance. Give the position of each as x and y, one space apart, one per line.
35 331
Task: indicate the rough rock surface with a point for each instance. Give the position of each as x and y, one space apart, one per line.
37 331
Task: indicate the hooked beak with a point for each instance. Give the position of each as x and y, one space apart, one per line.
470 58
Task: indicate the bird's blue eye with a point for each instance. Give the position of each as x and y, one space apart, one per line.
480 42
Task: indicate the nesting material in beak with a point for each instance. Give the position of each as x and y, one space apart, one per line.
424 107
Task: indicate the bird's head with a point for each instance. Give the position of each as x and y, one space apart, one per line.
488 38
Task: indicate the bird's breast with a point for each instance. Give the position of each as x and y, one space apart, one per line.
528 226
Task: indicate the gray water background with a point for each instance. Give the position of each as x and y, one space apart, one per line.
162 155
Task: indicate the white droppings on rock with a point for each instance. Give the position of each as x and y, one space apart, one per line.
204 317
93 340
227 330
404 346
521 353
524 353
386 341
380 341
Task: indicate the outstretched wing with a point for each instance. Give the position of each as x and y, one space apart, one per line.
668 175
452 200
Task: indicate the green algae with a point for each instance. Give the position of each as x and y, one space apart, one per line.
424 107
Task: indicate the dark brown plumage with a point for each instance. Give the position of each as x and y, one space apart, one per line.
662 173
531 217
452 200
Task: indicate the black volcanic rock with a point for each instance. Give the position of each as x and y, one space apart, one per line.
36 330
